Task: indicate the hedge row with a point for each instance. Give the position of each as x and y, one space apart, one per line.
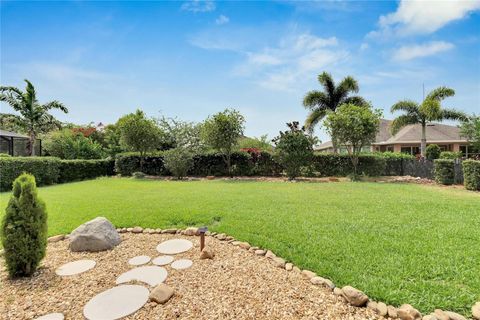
50 170
471 174
245 164
444 171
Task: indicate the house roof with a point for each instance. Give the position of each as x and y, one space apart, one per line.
436 133
5 133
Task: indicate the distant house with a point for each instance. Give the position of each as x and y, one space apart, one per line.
407 140
16 144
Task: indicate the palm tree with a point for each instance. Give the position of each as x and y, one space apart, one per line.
429 110
34 117
321 102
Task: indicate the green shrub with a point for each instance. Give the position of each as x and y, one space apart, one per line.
4 155
395 162
138 175
45 169
24 228
178 161
444 170
471 174
328 164
450 155
128 163
433 151
77 170
68 144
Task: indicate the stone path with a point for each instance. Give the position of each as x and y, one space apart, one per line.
75 267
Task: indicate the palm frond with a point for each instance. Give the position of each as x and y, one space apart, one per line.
356 100
11 90
452 114
327 82
313 118
440 93
348 84
10 100
402 121
406 105
54 105
315 99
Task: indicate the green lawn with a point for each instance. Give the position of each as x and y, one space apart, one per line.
399 243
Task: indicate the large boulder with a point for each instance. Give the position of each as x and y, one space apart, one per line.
95 235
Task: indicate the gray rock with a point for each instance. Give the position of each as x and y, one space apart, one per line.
170 231
354 296
475 310
161 294
95 235
56 238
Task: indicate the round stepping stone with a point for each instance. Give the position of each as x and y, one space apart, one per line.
116 303
151 275
162 260
139 260
174 246
182 264
75 267
51 316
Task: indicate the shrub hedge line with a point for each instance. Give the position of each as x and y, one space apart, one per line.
444 171
471 174
50 170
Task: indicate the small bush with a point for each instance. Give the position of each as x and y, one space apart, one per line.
24 228
4 155
433 151
444 170
46 170
78 170
178 161
128 163
450 155
471 174
138 175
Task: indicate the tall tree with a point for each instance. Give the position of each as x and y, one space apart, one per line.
332 96
34 117
471 130
429 110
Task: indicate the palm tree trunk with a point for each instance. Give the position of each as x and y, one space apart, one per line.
423 142
32 143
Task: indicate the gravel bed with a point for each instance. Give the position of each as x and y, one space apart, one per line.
236 284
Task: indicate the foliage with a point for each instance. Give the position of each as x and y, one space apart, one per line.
78 170
138 175
444 171
433 151
68 144
139 133
222 131
261 144
471 174
183 134
34 117
294 149
310 224
353 127
450 155
4 155
319 103
24 228
427 111
178 161
111 140
470 129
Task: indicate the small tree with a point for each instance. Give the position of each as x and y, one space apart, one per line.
178 161
67 144
24 228
354 127
433 151
139 134
222 131
294 149
471 130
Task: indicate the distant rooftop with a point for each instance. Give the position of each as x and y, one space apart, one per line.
5 133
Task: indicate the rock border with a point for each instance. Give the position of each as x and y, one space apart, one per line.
347 293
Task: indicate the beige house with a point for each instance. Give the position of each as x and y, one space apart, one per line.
407 140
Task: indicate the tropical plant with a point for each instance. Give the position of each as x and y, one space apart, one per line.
354 127
24 228
332 96
294 149
427 111
69 144
222 131
470 129
34 117
433 151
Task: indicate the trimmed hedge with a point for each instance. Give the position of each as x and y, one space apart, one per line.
444 171
51 170
471 174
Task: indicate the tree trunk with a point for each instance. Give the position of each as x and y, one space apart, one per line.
423 142
229 165
141 162
334 145
32 139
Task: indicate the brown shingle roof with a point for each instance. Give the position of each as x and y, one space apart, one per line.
436 132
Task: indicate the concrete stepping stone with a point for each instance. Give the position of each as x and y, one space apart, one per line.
75 267
116 303
139 260
182 264
51 316
151 275
162 260
174 246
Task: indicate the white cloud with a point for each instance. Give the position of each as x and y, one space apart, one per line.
222 20
198 6
423 17
423 50
364 46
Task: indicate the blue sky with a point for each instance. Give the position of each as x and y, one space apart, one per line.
192 59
